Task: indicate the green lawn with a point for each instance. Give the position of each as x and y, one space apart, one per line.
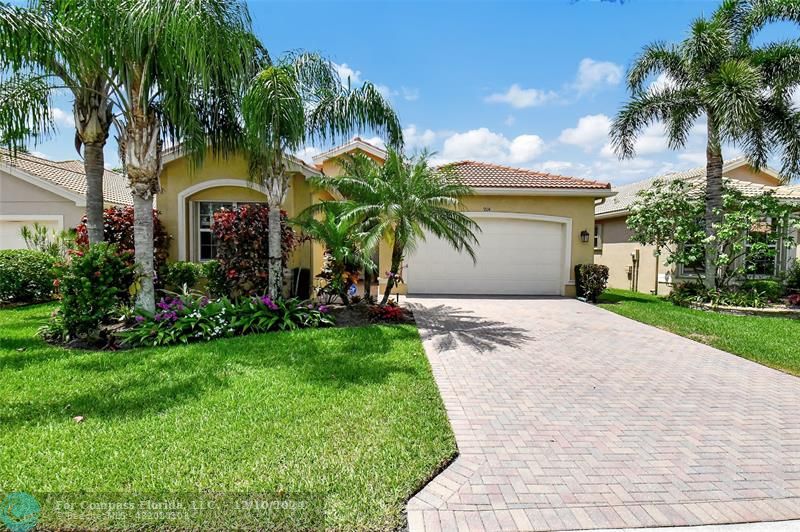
347 420
774 342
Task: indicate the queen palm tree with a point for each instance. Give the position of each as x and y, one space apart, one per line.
400 201
52 45
300 99
180 66
742 90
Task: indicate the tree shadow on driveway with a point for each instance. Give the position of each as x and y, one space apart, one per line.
449 327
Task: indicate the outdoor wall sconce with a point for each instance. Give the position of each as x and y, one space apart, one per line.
584 236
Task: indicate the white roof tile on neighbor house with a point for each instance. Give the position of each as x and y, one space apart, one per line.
627 194
69 175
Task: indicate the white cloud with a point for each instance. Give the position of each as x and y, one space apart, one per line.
410 94
697 158
596 74
485 145
62 117
556 167
345 71
591 131
521 98
386 91
307 154
376 141
415 138
663 81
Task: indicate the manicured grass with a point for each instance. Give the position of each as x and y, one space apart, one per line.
774 342
347 418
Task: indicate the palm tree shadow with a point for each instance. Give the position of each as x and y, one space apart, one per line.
448 327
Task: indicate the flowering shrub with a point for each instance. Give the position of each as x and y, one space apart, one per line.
688 294
118 229
793 300
389 312
243 247
25 275
192 316
90 289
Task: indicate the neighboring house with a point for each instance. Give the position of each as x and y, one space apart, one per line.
636 267
51 193
532 222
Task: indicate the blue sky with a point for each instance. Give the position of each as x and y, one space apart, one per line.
530 84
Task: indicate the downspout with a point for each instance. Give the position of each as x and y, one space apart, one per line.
658 256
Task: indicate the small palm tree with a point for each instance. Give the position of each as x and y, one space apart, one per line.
52 45
181 66
400 201
298 99
743 91
347 245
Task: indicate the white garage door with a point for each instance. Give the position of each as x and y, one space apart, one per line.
515 257
10 237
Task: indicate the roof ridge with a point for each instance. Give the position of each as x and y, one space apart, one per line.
527 170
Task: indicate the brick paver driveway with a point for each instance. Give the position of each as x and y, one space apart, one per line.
571 417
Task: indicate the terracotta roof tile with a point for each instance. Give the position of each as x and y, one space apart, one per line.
69 175
478 174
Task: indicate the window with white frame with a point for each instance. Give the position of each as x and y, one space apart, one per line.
598 236
206 241
760 249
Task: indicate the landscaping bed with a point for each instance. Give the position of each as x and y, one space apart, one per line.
771 341
348 419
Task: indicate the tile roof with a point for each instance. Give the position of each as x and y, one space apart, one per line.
626 194
69 175
355 142
478 174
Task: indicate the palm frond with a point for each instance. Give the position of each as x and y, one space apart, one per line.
655 59
25 110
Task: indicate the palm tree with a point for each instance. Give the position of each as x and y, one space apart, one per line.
742 90
302 98
401 200
181 65
51 45
347 245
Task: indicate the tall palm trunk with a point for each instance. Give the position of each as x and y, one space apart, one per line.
397 258
93 163
142 147
93 116
276 194
713 193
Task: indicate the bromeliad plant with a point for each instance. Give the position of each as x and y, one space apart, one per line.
191 316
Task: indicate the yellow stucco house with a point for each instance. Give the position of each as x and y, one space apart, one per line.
535 226
636 267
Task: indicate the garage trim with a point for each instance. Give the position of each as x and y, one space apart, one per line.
566 230
34 218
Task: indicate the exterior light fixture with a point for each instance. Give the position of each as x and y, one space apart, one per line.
584 236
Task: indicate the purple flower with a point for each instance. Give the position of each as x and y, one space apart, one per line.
139 319
324 309
203 301
266 300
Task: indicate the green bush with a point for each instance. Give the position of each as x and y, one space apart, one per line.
90 289
590 281
688 294
216 282
25 275
770 289
180 274
792 279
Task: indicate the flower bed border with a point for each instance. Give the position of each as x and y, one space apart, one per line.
772 312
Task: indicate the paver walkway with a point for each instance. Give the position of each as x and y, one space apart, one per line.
571 417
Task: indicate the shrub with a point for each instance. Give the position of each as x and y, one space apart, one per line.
180 274
694 293
192 316
118 230
50 241
793 300
389 312
792 278
591 280
770 289
25 275
243 247
90 289
216 282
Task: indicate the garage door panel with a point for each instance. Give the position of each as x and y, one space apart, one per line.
10 232
514 256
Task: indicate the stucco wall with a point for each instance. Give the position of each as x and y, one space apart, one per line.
18 197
